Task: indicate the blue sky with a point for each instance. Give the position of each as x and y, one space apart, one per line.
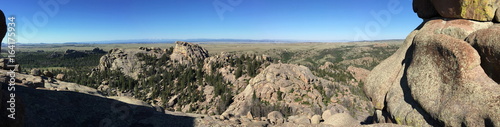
316 20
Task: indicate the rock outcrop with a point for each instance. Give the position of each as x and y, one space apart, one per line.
445 72
60 76
281 78
97 50
185 52
35 72
74 54
294 86
48 74
480 10
126 61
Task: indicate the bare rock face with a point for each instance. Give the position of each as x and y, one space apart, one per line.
487 44
480 10
341 120
315 119
185 52
60 77
286 75
327 113
382 77
126 61
438 79
301 120
456 28
446 79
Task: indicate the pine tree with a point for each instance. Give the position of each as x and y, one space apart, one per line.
130 84
250 69
239 71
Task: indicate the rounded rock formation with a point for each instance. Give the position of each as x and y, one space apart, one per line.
275 117
479 10
60 77
35 72
315 119
48 74
444 74
341 120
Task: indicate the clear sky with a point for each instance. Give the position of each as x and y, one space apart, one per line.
56 21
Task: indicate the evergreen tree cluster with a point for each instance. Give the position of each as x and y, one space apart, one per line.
187 79
246 64
339 74
167 82
83 76
261 108
31 60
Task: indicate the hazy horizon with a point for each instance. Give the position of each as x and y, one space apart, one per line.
60 21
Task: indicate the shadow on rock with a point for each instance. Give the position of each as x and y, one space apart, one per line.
407 91
65 108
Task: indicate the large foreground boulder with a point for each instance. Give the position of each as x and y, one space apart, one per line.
446 79
437 78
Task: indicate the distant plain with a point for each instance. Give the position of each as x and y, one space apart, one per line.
212 47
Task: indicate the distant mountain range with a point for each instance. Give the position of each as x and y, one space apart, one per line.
205 41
